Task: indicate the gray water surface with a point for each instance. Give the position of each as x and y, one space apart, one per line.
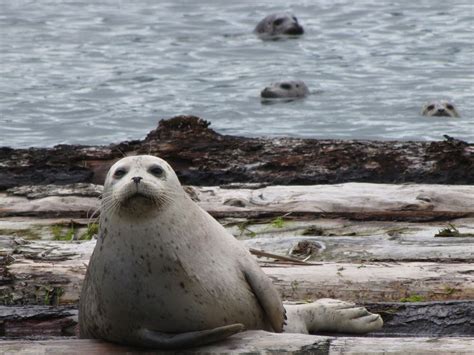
95 72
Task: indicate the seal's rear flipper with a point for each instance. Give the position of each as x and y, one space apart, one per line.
152 339
329 315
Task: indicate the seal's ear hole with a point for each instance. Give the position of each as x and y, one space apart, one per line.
285 86
119 173
278 22
156 170
430 107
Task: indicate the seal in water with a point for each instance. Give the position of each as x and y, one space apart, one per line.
277 25
439 109
165 274
291 89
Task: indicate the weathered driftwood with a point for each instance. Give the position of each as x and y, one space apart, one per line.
48 272
353 200
401 346
313 241
52 272
260 342
379 254
37 321
203 157
435 319
279 234
335 239
375 282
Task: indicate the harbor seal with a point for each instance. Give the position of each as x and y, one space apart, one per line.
291 89
277 25
439 109
165 274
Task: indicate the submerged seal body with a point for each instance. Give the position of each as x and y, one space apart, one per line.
290 89
439 109
165 274
277 25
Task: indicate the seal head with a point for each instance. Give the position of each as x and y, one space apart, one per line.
439 109
135 187
277 25
291 89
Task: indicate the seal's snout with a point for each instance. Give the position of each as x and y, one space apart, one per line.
267 93
137 179
295 30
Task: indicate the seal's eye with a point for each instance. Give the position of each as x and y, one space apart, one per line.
430 107
285 86
278 22
156 170
449 107
119 173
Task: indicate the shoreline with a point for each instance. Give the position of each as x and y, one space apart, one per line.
202 156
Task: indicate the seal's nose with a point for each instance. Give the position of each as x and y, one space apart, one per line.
295 30
136 179
267 93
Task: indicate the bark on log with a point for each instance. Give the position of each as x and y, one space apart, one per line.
203 157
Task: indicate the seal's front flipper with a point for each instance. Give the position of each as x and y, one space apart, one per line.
152 339
267 296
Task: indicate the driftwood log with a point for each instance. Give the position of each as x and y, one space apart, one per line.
41 272
358 201
260 342
201 156
369 242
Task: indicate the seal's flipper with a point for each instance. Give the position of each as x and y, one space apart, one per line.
268 297
152 339
329 315
343 317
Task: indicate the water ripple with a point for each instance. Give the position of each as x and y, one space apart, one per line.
98 72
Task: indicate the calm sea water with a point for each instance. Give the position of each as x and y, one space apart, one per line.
95 72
